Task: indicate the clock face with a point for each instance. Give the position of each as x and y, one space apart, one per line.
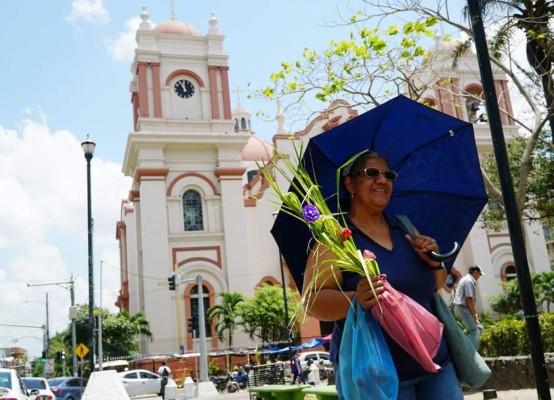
184 88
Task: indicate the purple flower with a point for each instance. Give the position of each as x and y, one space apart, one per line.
310 213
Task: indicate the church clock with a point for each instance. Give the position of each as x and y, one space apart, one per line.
184 88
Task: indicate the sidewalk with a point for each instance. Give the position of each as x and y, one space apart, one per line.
521 394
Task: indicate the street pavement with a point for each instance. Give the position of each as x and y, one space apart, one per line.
521 394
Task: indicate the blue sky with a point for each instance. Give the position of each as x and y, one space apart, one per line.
65 75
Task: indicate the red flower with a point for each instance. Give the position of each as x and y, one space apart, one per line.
346 233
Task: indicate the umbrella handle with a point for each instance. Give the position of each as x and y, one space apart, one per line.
447 256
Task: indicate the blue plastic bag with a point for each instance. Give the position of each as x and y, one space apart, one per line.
366 369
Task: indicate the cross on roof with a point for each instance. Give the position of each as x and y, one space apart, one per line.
238 92
172 4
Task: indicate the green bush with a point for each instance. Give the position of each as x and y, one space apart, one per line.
213 369
505 338
546 322
508 337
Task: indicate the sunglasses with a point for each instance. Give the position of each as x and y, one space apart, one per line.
373 173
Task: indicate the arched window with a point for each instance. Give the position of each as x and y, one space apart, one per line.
510 273
236 125
242 123
194 307
251 174
192 211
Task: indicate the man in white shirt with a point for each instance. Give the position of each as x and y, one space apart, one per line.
164 371
464 304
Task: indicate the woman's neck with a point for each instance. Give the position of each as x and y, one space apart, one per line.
374 225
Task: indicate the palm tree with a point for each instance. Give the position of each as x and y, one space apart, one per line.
226 314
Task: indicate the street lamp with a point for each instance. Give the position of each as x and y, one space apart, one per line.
285 298
88 148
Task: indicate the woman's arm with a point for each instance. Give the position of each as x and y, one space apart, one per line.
423 244
325 300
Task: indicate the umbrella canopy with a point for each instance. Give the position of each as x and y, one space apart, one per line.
439 186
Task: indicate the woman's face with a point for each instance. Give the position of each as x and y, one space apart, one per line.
372 193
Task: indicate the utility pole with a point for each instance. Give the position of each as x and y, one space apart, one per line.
73 313
202 332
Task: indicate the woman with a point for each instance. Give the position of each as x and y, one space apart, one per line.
296 368
402 259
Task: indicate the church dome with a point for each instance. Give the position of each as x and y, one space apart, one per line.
256 149
177 27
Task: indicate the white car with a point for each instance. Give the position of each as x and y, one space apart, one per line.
12 387
140 382
40 384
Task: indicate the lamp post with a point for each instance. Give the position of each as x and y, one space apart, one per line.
88 148
285 298
202 331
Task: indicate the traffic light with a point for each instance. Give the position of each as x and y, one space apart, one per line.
171 281
43 357
191 325
58 355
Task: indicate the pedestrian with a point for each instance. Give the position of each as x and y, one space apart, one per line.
313 374
369 182
296 368
164 371
465 300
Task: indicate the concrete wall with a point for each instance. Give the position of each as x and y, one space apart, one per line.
515 372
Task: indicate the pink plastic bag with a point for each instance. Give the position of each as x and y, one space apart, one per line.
414 328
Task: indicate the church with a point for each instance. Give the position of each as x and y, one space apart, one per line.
198 207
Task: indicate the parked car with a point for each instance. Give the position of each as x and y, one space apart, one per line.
12 387
139 382
67 388
40 384
320 358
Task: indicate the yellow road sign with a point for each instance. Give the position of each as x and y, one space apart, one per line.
81 350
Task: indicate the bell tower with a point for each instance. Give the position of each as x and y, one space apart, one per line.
180 75
184 215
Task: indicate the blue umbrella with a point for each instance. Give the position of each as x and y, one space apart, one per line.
439 187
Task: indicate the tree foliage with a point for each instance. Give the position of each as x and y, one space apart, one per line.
535 197
369 67
509 302
508 337
263 315
226 314
377 63
533 18
120 332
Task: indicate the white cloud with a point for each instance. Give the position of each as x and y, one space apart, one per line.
90 11
43 226
122 48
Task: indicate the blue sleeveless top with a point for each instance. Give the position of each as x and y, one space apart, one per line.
407 273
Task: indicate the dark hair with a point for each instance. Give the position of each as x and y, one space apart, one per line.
355 167
475 268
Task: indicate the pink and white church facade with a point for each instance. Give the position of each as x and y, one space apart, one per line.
197 205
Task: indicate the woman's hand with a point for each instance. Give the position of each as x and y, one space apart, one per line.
422 244
364 294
